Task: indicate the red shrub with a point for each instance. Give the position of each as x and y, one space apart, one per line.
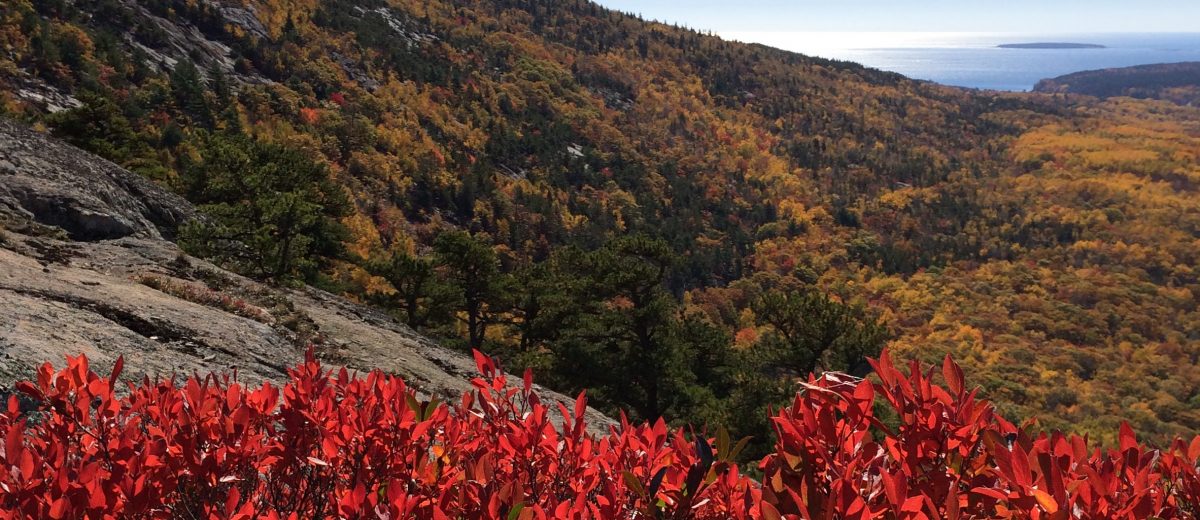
342 446
952 457
339 446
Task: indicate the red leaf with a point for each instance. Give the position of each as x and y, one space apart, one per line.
13 445
913 504
892 490
30 390
769 512
483 363
580 406
1020 467
1046 501
953 374
116 371
27 465
58 509
993 493
232 501
952 505
1127 438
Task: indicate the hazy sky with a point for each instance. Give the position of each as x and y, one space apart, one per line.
1015 16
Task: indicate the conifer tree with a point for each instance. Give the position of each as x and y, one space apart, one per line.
98 126
626 322
190 92
419 295
473 270
810 332
273 213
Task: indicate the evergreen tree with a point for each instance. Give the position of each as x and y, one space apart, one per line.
190 93
419 295
623 346
806 331
810 332
221 86
273 212
548 302
473 270
702 393
100 127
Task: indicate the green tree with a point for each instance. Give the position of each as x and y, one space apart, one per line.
273 212
419 295
806 331
701 393
624 344
190 92
473 270
542 304
809 331
100 127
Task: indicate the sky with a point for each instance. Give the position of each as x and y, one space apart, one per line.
907 16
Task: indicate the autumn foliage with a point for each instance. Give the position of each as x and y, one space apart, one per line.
1048 243
335 445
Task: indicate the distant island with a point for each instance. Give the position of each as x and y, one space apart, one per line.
1051 45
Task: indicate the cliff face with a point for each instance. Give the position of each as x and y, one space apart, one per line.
85 268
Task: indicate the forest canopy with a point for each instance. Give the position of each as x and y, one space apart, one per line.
684 225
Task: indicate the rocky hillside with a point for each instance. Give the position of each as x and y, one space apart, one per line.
85 267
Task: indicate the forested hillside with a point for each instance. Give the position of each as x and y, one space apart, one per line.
1177 82
680 224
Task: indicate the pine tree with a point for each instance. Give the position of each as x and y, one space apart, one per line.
805 331
809 332
473 270
273 212
98 126
419 295
187 86
626 321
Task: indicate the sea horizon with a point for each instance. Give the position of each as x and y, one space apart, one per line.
975 60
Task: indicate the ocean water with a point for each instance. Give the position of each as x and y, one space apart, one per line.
974 60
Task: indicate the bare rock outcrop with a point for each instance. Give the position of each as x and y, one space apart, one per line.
54 184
